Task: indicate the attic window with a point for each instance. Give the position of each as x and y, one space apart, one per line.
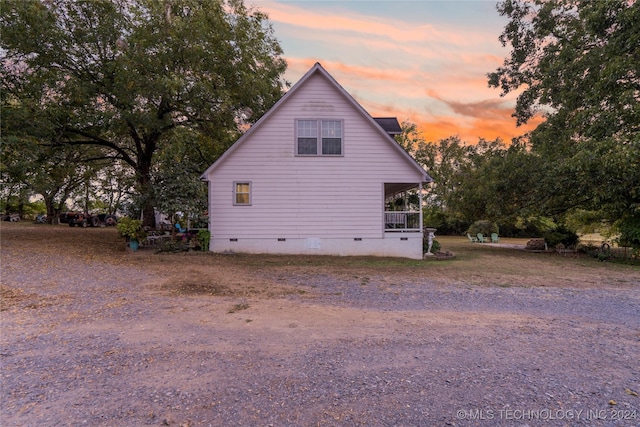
319 137
242 193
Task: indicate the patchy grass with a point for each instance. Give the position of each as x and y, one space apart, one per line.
197 288
238 307
203 273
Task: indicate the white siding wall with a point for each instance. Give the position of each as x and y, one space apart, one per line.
301 197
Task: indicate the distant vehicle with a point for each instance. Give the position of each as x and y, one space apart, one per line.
14 217
108 220
64 217
89 220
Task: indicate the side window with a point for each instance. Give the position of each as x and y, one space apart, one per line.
242 193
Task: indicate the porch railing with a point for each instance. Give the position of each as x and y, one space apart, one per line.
402 221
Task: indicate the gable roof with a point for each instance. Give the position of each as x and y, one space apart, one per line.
318 69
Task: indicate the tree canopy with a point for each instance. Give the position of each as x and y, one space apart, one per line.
576 62
127 76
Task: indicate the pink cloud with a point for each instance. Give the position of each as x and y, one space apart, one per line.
487 118
432 75
328 22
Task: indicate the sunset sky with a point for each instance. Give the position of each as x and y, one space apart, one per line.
421 60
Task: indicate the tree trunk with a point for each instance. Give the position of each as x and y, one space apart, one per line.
57 210
53 216
146 192
148 216
48 203
146 147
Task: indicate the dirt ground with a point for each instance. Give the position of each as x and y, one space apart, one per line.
93 334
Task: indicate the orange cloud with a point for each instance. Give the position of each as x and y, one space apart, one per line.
433 75
487 118
495 122
443 127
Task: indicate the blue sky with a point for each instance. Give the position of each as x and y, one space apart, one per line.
425 61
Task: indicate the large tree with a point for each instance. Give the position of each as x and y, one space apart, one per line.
576 62
126 75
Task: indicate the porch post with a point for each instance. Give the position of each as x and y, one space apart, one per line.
420 204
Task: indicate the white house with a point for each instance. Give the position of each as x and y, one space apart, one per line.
317 175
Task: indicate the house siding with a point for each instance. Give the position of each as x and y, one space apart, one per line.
296 198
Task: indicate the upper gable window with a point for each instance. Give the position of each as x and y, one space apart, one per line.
319 137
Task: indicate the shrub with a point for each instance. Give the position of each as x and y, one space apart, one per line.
561 234
483 226
630 231
447 224
204 236
435 245
131 229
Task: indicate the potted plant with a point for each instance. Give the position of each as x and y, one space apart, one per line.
132 230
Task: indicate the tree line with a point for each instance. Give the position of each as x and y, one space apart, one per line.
577 63
136 98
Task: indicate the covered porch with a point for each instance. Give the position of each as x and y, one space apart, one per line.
403 207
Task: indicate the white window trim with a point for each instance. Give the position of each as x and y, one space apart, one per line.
319 138
235 187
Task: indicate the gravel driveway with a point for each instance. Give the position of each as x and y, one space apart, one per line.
85 344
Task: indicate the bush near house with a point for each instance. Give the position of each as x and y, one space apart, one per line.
435 246
131 229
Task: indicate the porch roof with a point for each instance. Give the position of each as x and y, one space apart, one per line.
391 188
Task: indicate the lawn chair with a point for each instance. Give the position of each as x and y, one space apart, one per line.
481 238
472 239
495 238
180 229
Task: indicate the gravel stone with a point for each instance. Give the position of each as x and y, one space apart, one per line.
89 344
